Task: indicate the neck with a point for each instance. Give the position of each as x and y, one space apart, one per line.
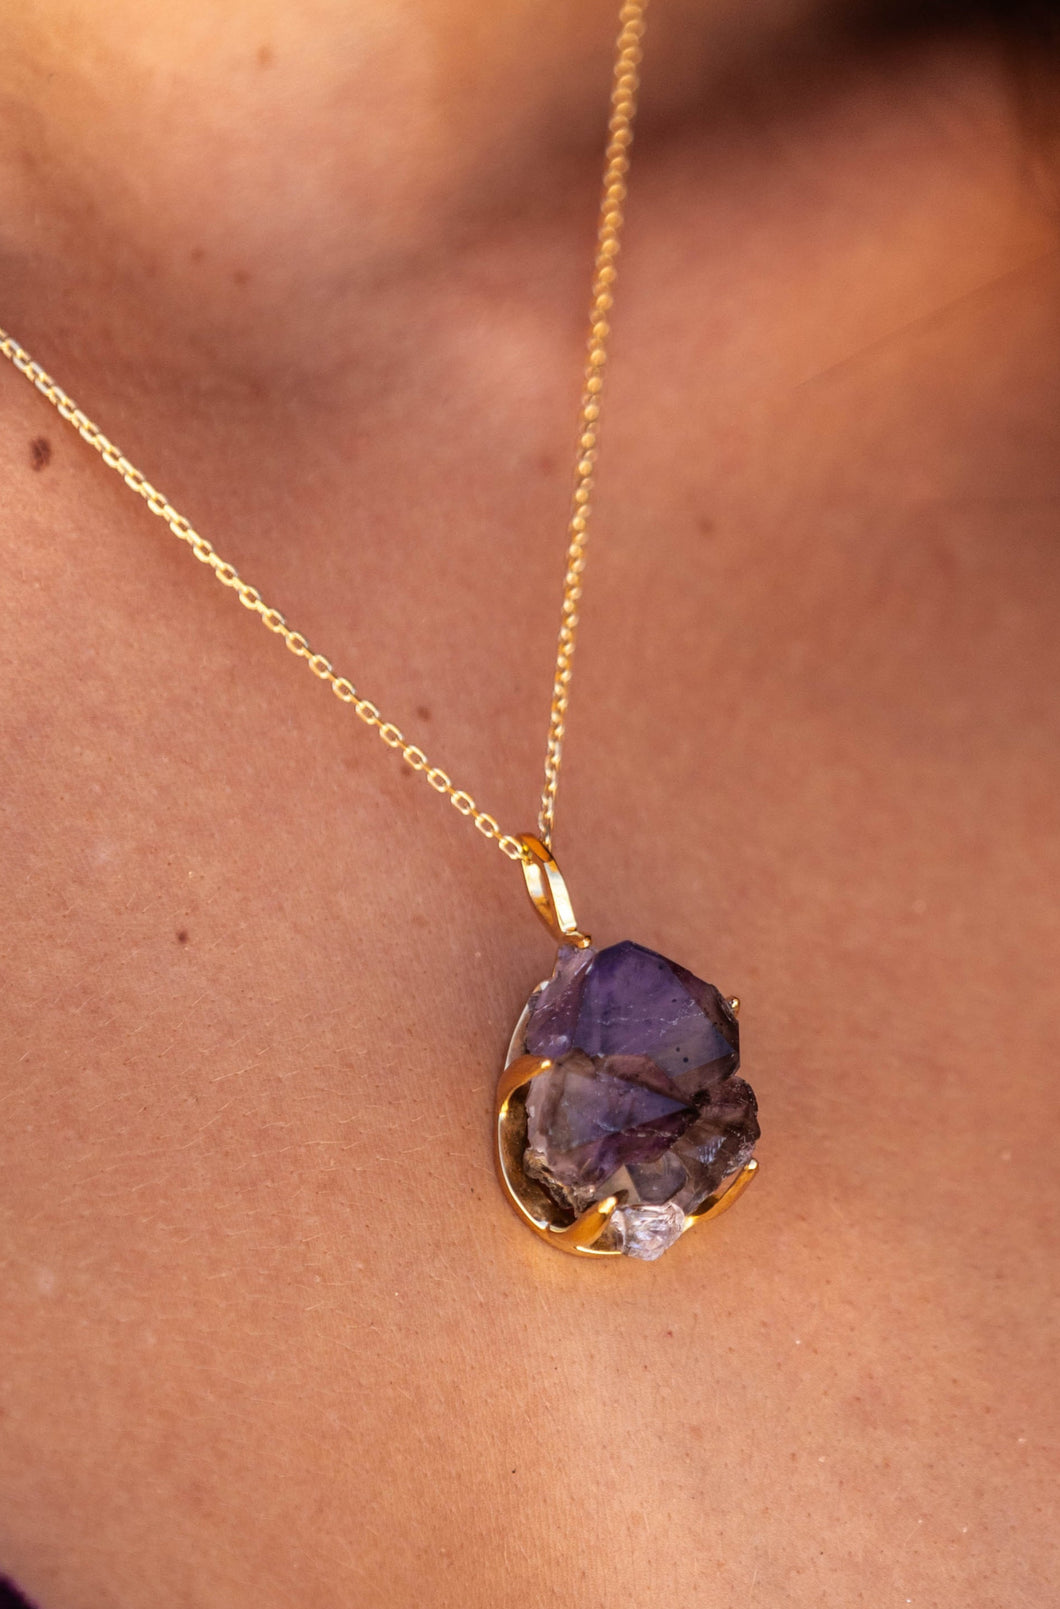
271 186
268 189
384 213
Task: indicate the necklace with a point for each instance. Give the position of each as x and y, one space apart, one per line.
620 1122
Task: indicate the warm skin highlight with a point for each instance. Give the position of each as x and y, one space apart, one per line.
270 1334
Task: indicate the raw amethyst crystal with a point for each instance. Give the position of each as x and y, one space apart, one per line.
643 1101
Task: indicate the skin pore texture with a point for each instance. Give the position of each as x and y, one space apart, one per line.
269 1334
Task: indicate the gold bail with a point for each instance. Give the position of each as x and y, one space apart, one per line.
548 891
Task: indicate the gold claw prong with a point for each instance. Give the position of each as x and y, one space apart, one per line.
721 1201
585 1231
518 1073
734 1004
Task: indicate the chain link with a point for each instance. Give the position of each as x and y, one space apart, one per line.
623 105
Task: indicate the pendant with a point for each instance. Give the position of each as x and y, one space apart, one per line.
620 1120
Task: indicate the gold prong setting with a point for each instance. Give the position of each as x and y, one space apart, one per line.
531 1201
586 1235
724 1198
645 1105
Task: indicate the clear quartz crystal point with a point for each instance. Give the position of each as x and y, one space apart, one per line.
643 1101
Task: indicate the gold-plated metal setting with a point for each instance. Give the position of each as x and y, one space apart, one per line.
722 1200
548 891
585 1231
734 1004
530 1200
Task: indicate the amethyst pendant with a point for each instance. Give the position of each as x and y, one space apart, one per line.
621 1120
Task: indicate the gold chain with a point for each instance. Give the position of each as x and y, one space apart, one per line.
612 216
623 107
251 598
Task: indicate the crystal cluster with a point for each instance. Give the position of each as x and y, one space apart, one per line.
643 1101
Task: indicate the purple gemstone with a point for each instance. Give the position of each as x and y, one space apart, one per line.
643 1100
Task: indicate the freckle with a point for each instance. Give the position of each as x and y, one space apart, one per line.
40 452
196 254
705 526
241 276
546 464
266 56
182 935
423 712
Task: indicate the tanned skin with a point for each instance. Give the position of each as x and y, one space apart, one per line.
269 1335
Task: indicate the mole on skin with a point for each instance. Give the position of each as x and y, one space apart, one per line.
40 450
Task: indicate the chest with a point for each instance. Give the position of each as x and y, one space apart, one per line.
265 1299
